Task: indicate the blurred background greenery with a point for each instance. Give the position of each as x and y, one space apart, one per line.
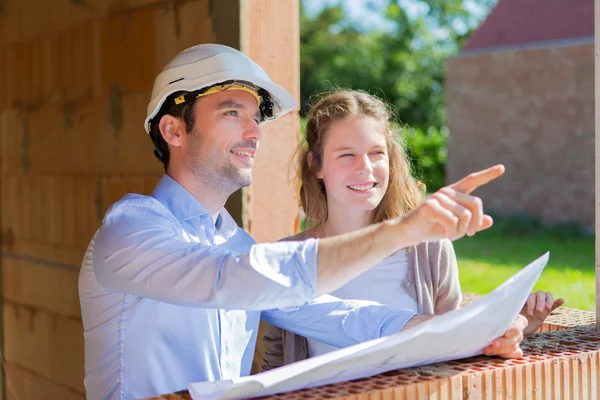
396 50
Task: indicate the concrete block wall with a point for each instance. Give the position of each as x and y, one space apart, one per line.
75 79
533 111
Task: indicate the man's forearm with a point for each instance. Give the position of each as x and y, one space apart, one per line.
344 257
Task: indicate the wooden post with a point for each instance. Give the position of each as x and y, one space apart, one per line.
597 141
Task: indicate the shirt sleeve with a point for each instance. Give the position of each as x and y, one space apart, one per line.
138 251
340 323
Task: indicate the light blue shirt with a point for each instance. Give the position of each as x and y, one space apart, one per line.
383 283
169 297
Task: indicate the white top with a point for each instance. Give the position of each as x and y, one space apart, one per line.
383 283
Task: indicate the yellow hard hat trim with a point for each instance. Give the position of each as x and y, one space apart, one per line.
234 86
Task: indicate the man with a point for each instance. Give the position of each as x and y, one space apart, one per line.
172 290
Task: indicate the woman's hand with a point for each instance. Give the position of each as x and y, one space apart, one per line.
509 345
538 306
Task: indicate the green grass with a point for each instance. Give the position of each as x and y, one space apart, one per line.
489 258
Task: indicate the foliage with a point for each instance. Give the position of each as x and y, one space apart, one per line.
427 151
402 62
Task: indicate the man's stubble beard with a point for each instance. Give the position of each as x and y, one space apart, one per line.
215 171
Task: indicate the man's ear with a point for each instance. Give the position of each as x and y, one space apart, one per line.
172 129
310 160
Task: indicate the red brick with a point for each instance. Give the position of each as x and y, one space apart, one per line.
69 206
25 188
150 183
122 5
33 81
80 69
5 78
84 12
113 189
137 185
23 384
49 209
102 136
17 67
87 213
85 144
62 66
10 200
53 210
48 147
10 22
47 344
36 211
551 361
91 139
127 51
181 26
46 286
134 149
70 256
53 60
40 18
11 140
533 111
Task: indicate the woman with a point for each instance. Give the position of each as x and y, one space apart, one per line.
353 171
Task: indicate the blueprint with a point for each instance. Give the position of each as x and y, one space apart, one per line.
458 334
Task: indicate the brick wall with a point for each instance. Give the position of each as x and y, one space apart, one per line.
533 111
75 79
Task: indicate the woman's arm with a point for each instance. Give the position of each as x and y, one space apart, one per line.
448 295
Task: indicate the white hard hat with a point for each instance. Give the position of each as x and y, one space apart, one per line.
206 65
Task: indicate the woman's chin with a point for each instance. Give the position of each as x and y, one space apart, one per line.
365 205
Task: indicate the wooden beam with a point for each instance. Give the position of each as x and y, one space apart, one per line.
597 141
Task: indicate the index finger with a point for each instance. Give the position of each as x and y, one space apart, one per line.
472 181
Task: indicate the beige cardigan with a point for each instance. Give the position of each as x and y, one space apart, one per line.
431 280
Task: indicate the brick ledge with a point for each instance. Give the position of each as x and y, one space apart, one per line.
562 361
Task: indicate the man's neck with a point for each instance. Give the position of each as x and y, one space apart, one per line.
207 195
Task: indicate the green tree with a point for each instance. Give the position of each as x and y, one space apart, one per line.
402 63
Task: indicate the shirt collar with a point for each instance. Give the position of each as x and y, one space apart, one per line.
183 205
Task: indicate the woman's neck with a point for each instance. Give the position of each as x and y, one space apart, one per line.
340 221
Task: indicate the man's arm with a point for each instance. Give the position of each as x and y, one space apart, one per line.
138 251
343 323
340 323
